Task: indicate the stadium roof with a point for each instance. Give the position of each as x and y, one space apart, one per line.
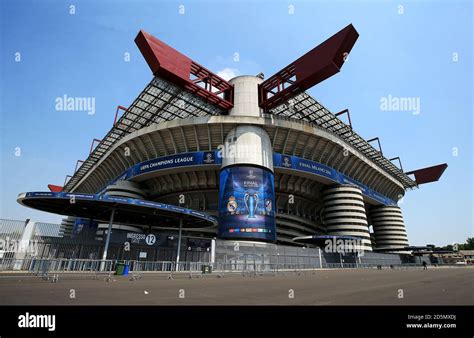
159 101
163 101
304 107
181 89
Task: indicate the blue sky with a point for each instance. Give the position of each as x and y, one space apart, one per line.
423 50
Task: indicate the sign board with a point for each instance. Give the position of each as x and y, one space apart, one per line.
247 204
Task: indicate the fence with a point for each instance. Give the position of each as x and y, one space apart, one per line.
45 267
57 252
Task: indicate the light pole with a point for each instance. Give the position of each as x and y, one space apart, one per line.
179 243
320 259
278 260
109 231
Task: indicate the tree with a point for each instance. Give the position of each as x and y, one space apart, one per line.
469 245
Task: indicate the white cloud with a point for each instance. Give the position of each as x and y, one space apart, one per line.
228 73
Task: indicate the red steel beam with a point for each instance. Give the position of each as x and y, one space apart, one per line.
54 188
317 65
166 62
429 174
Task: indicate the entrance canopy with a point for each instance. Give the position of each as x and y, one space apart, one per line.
127 210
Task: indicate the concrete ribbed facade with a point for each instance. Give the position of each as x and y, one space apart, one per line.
389 228
344 213
126 189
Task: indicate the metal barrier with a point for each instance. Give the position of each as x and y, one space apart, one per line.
42 266
46 267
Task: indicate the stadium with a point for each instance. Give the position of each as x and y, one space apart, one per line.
253 160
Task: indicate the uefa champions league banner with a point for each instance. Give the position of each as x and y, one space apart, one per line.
297 163
175 161
168 162
247 204
279 160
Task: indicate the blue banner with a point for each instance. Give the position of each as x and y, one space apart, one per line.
200 158
168 162
297 163
247 204
176 161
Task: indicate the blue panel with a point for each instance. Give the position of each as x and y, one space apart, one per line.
175 161
83 223
167 162
247 204
279 161
297 163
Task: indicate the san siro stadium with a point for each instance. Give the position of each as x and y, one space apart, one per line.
253 160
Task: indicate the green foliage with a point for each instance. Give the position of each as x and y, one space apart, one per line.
469 245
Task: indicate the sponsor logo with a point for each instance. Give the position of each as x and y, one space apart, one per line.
250 230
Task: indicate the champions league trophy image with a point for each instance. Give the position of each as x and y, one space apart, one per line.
251 201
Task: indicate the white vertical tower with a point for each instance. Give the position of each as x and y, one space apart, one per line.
246 96
246 188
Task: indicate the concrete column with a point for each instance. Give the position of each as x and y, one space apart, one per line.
246 96
389 227
344 213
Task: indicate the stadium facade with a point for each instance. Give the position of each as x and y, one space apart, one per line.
259 160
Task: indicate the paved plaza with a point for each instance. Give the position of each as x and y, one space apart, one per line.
435 286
